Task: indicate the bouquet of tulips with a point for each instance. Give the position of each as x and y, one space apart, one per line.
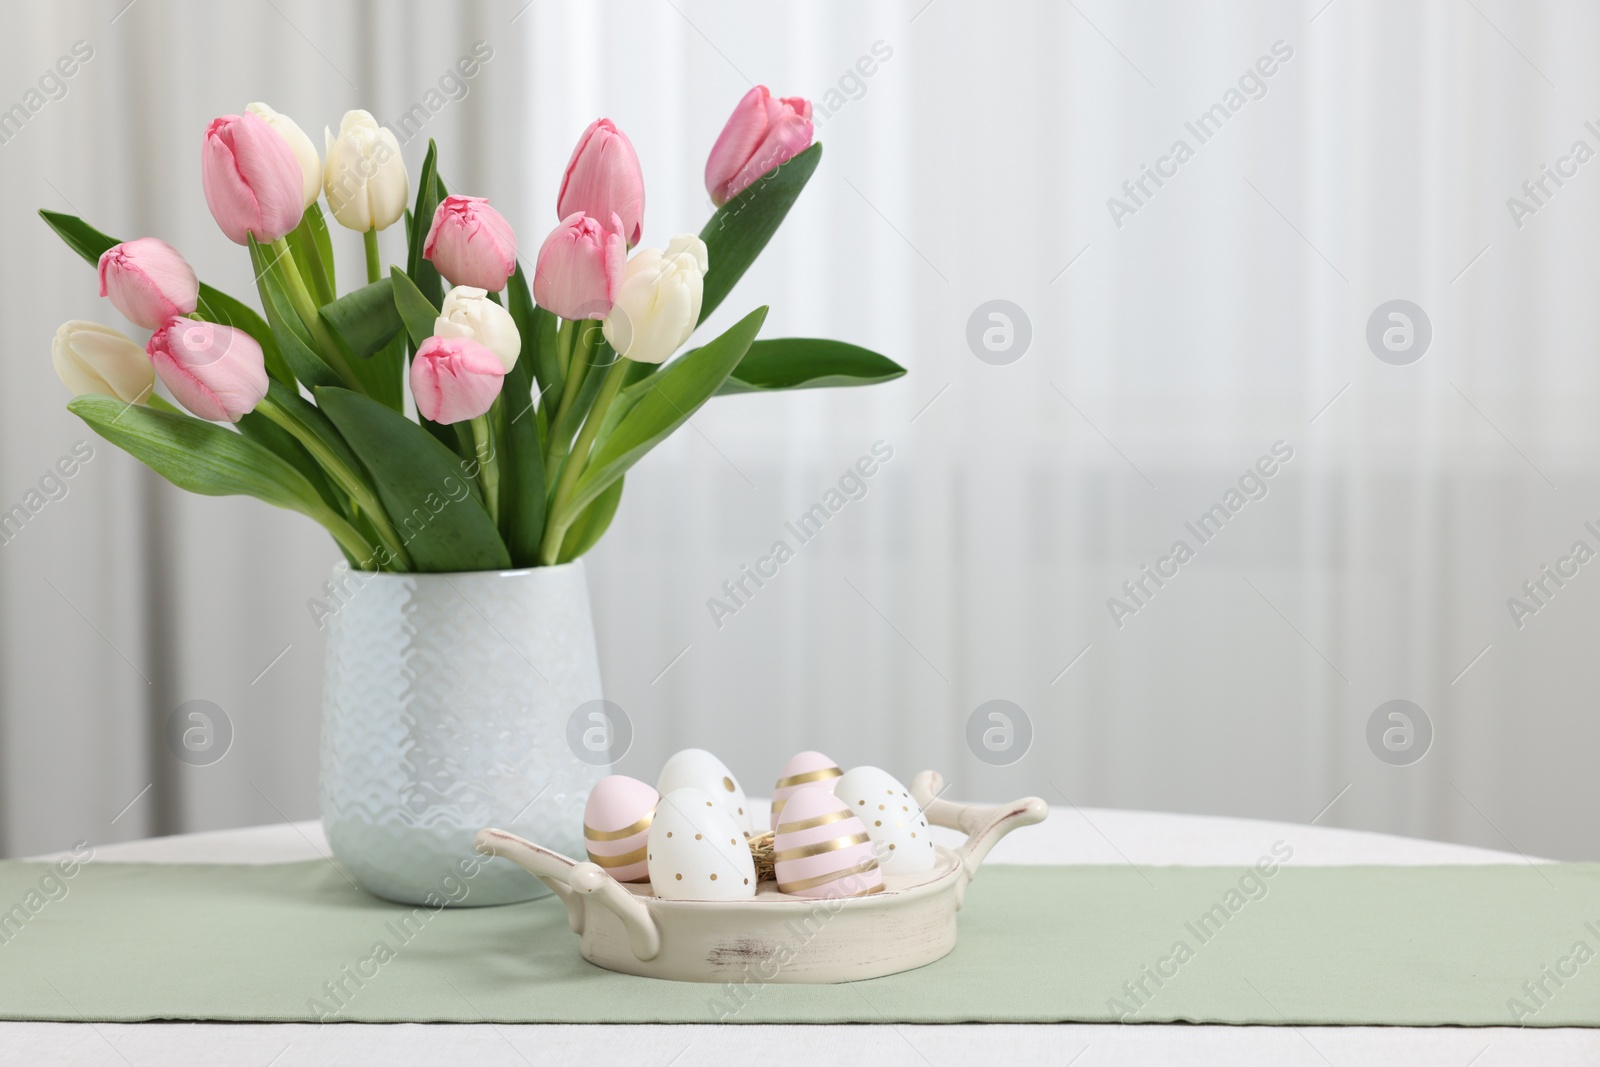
532 396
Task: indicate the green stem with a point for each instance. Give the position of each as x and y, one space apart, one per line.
344 477
564 345
289 272
575 353
556 528
488 466
566 418
374 269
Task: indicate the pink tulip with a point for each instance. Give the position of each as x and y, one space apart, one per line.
455 379
471 243
579 268
762 133
603 179
215 371
251 178
148 281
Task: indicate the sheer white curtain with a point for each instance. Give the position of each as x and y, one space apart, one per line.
970 156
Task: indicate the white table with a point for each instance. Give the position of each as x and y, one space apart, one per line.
1087 835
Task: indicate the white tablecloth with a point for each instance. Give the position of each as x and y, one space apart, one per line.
1070 835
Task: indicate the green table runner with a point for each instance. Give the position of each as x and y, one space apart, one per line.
1495 945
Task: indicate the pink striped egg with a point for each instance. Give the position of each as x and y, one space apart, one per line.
616 826
822 850
803 768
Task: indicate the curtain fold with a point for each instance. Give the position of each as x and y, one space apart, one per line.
1179 332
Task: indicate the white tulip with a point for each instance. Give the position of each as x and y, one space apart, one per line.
658 302
91 358
363 174
468 312
305 153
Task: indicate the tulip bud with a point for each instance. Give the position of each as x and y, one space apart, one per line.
148 281
468 312
470 243
91 358
579 268
305 153
215 371
658 303
363 175
455 379
762 133
250 178
603 179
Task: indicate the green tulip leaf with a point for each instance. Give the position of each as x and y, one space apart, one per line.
314 223
416 311
366 320
428 496
808 363
82 238
522 488
430 191
786 363
742 227
199 456
591 523
522 491
672 396
537 328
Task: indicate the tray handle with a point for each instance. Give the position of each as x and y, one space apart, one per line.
572 881
644 937
983 824
551 868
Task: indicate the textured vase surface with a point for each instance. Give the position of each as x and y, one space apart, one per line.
445 708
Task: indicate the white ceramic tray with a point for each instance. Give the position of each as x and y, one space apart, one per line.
776 937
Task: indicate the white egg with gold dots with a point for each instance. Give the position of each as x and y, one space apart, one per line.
696 851
699 769
892 817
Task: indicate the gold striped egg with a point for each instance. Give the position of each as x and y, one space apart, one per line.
803 768
616 826
821 849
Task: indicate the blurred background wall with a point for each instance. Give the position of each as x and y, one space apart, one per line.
1174 336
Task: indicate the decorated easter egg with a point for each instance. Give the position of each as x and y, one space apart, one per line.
700 769
892 818
616 826
821 849
803 768
697 851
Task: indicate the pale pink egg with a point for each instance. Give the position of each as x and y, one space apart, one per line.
616 826
822 850
803 768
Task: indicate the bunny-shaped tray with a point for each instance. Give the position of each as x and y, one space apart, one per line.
776 937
